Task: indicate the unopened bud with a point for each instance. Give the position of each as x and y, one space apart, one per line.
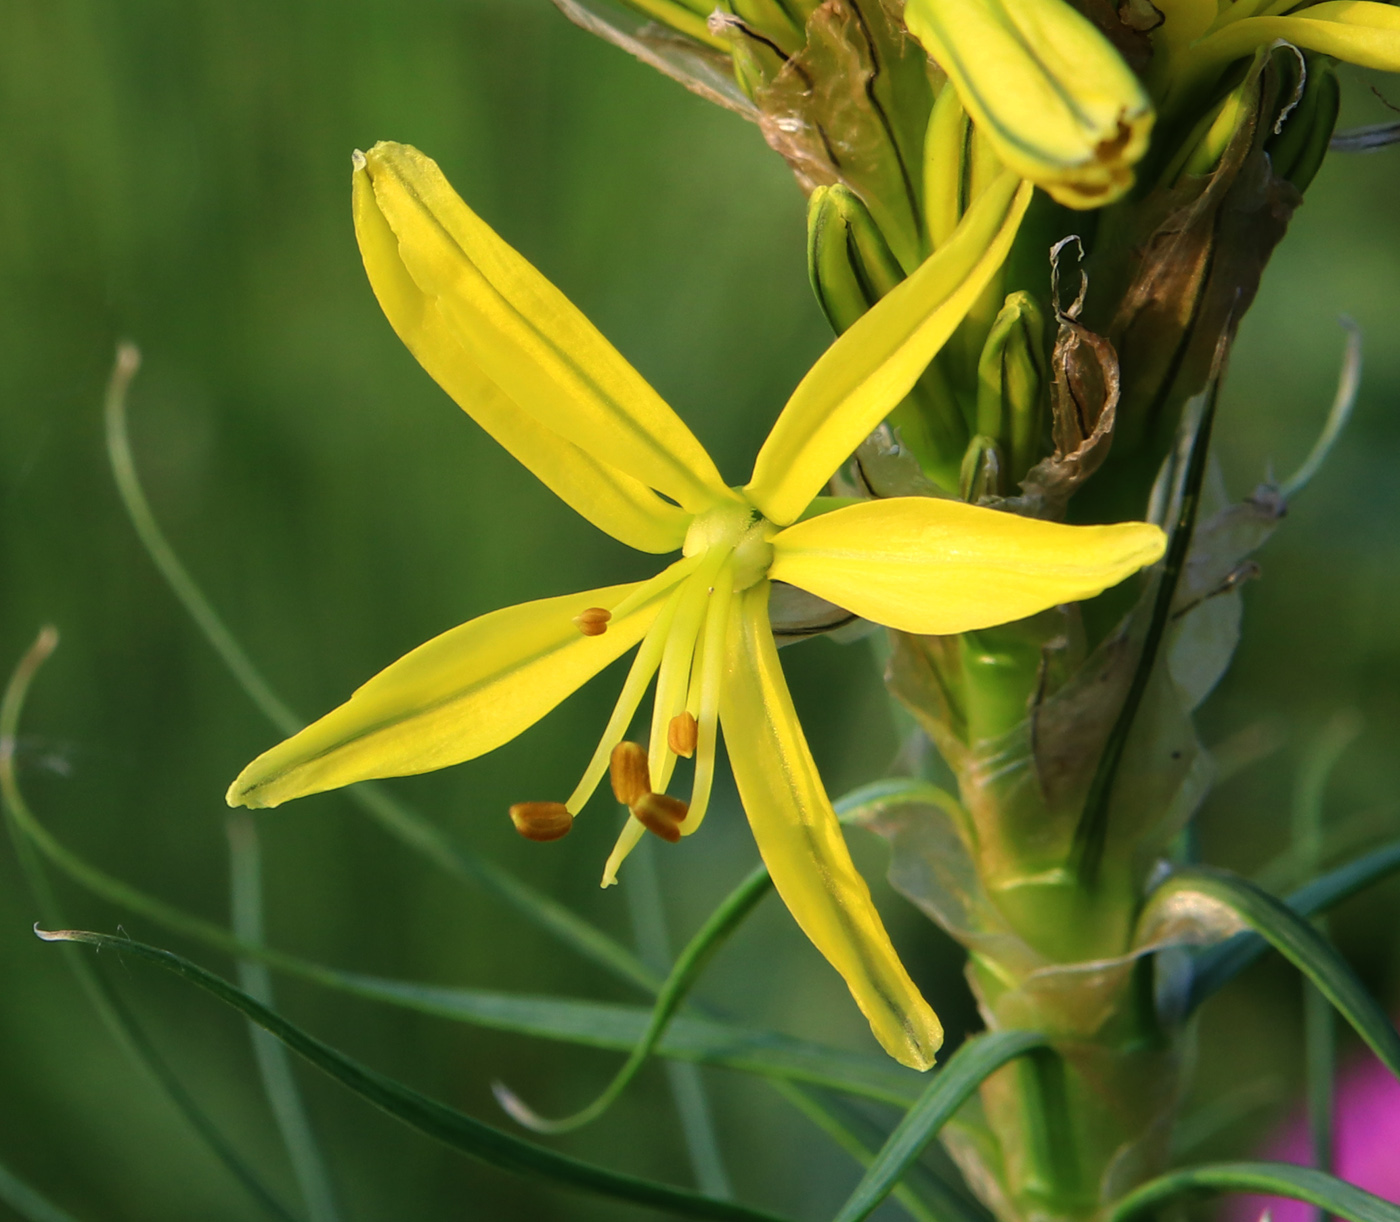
1013 386
848 260
1306 129
959 163
662 814
983 470
772 20
594 621
682 734
757 58
629 772
541 821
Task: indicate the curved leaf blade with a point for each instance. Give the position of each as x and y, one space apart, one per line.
979 1058
1292 936
428 1116
1216 966
28 1202
1317 1188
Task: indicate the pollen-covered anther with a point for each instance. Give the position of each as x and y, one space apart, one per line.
662 814
593 622
683 733
541 821
630 773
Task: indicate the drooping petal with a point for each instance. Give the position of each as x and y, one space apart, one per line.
859 380
528 338
613 501
458 696
801 841
936 567
1058 103
1358 31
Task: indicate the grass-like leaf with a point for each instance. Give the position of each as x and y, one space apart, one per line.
28 1203
395 816
979 1058
1216 966
1292 936
428 1116
1328 1193
722 922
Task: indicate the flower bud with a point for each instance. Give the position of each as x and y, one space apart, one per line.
1298 148
1013 385
983 470
1057 102
757 58
848 260
959 163
771 20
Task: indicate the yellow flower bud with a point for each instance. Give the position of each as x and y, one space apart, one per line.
1057 102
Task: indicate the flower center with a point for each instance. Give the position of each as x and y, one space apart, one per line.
739 529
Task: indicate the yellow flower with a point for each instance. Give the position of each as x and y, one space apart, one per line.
531 369
1049 92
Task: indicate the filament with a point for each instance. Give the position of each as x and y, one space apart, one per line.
713 651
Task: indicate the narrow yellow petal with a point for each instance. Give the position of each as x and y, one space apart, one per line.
613 501
529 339
1358 31
937 567
802 845
456 697
860 379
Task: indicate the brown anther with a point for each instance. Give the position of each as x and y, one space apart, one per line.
541 821
683 733
593 622
630 773
662 814
1108 150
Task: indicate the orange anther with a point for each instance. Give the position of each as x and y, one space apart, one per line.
541 820
683 733
594 621
662 814
630 774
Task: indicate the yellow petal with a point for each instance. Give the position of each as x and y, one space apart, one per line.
1357 31
456 697
614 502
802 845
937 567
529 339
1047 89
869 369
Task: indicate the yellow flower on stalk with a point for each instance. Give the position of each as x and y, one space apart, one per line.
529 367
1049 92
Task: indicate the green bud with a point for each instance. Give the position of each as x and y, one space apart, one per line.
757 57
848 260
773 21
1013 386
1298 149
983 470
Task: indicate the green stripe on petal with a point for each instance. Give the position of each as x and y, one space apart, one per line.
458 696
861 378
614 502
802 845
936 567
529 339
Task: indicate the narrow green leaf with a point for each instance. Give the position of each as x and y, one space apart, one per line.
1276 1179
1296 940
274 1065
105 1000
428 1116
722 922
394 816
979 1058
27 1202
923 1195
1216 966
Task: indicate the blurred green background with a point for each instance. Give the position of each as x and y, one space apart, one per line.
176 172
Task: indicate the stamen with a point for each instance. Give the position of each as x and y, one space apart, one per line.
633 689
632 831
682 733
723 607
631 778
594 621
541 821
661 814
